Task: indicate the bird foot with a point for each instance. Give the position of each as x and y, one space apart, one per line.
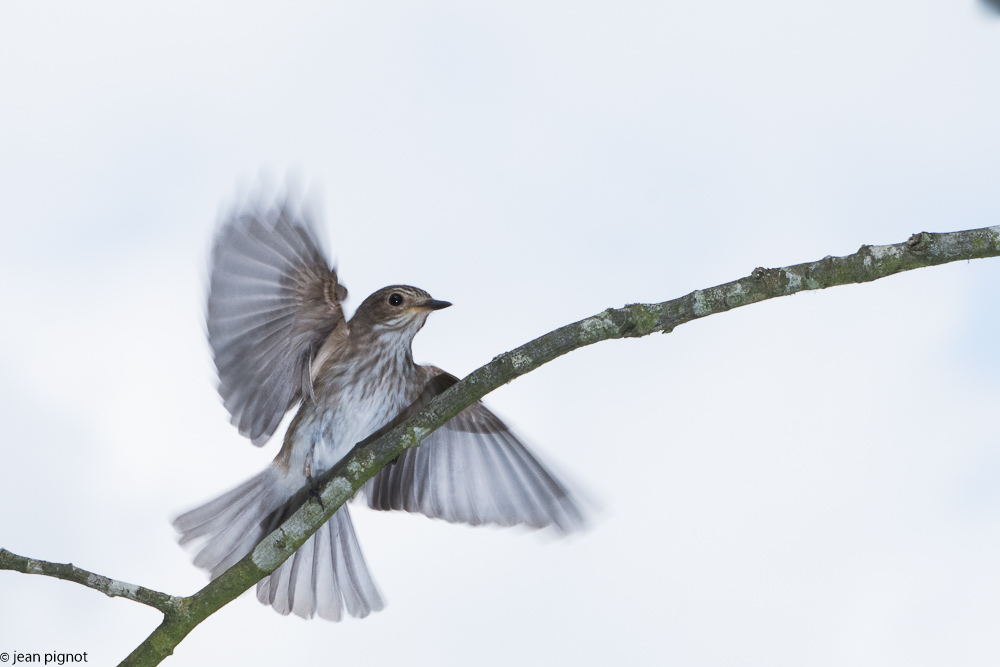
314 492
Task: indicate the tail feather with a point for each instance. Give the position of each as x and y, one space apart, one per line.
328 605
356 585
213 515
326 575
301 578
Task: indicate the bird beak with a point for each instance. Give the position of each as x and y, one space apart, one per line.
434 304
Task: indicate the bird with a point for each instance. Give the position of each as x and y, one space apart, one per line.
279 338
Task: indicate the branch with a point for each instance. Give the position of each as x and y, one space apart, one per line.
340 484
113 588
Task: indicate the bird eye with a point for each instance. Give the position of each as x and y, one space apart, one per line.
395 299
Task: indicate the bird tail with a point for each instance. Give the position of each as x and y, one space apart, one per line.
325 575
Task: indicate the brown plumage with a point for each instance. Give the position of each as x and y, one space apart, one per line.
278 333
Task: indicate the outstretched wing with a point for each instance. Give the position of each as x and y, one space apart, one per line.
273 306
472 470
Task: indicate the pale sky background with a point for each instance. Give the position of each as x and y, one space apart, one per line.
810 481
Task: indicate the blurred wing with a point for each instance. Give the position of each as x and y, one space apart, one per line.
273 307
473 470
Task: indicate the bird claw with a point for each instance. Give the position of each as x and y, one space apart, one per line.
314 492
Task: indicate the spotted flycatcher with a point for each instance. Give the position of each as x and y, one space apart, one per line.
279 337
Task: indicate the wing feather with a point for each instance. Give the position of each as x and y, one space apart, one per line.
473 470
273 302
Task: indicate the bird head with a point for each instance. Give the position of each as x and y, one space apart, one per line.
397 309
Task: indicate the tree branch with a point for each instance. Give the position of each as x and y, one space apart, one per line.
113 588
340 484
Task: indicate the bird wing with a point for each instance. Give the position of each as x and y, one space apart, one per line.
472 470
273 303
